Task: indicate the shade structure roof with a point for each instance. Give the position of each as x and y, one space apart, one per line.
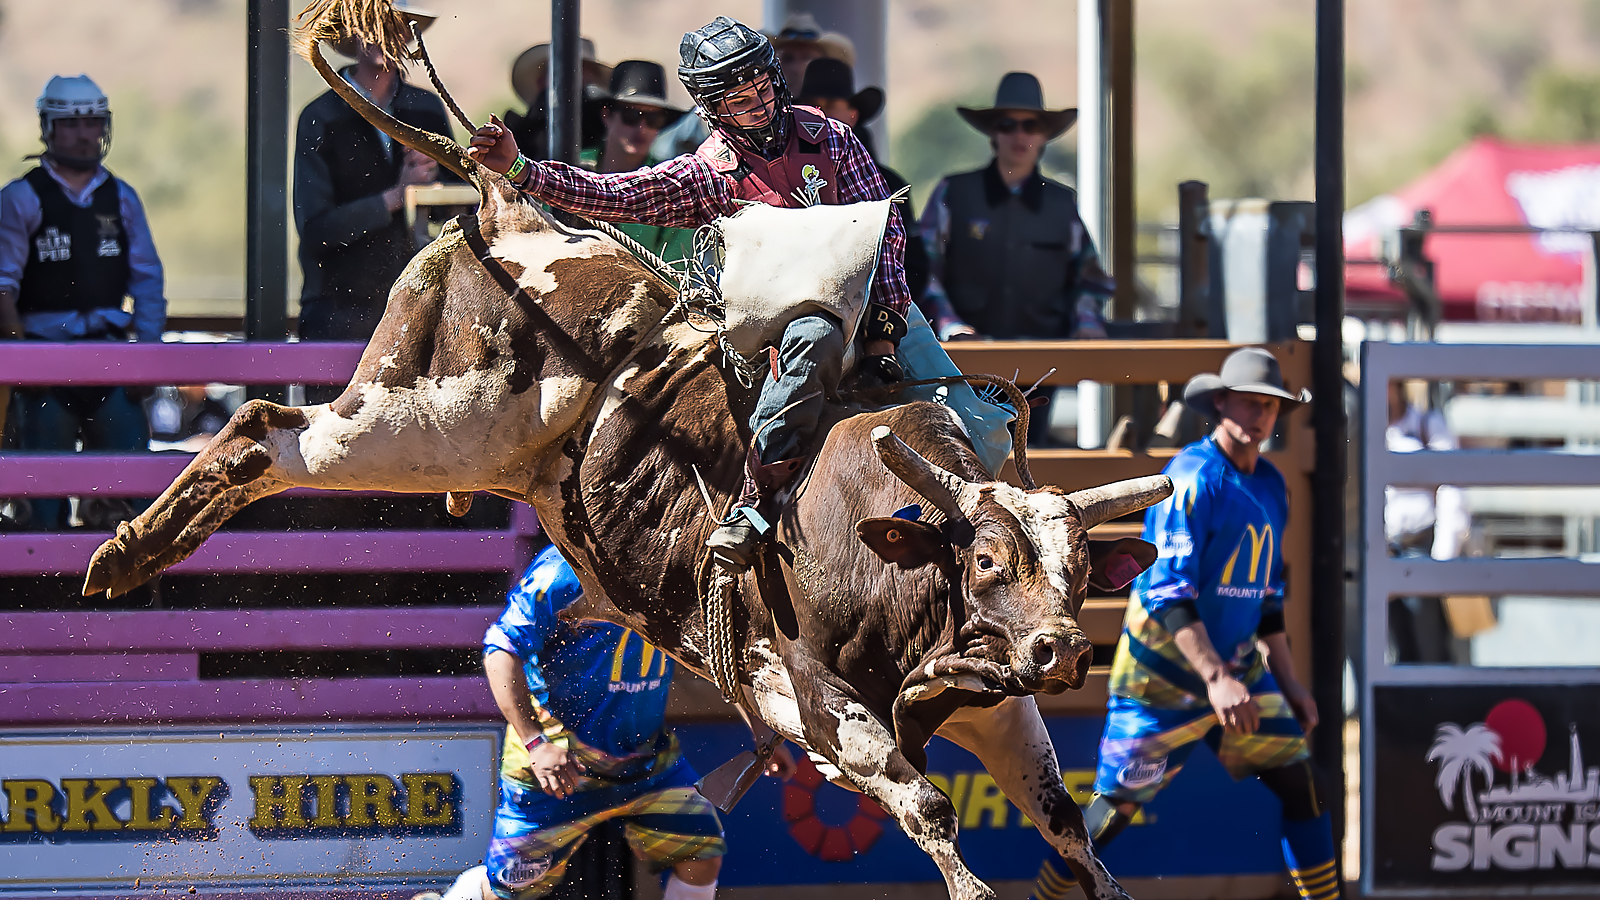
1488 277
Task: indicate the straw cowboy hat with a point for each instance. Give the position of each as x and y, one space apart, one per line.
424 19
530 68
802 28
831 79
639 82
1250 371
1019 92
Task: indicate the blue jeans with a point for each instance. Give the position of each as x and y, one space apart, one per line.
810 360
53 419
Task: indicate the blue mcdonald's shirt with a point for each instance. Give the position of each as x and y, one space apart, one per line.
1219 538
598 688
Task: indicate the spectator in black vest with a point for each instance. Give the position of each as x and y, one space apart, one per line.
830 86
73 243
1010 258
349 194
530 78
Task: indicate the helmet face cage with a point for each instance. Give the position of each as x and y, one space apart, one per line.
724 56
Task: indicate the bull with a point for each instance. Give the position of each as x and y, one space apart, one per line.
536 360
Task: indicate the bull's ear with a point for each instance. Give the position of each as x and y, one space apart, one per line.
1114 564
910 545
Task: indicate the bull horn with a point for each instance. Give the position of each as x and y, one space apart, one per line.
1097 506
939 486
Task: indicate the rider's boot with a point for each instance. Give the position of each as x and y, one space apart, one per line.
748 523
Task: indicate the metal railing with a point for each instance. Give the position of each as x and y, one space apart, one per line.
1386 577
143 666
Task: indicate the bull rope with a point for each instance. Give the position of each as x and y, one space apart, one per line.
716 606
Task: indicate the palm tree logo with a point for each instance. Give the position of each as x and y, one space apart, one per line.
1459 753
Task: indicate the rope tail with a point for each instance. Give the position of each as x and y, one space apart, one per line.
376 22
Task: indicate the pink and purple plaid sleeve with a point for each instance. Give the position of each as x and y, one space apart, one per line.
683 192
859 180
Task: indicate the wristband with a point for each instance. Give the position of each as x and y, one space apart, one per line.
1179 615
884 324
535 741
517 168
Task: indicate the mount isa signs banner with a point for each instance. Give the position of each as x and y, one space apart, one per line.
1485 788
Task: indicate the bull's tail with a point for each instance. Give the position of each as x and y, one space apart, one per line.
376 22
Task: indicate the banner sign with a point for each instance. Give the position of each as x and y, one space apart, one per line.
1485 787
810 832
269 807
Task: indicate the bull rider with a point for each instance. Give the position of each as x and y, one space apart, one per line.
762 148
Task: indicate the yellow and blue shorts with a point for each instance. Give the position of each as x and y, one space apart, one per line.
535 835
1145 746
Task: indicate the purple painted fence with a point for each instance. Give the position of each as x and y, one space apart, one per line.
142 667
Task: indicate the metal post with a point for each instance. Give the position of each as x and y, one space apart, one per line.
1121 233
566 82
1327 413
1194 260
1093 195
267 171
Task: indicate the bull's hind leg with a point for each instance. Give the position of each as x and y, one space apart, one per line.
233 470
1011 741
862 747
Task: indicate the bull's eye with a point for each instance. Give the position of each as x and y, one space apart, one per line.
985 561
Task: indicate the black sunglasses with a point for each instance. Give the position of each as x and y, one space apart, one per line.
1028 126
633 116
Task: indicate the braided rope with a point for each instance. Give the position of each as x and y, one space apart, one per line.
438 84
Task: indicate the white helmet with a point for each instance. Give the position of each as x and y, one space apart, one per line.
74 97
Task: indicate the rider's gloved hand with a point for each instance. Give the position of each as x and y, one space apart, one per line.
883 328
886 369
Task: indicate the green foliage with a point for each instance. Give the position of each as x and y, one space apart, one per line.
187 161
938 144
1249 115
1564 106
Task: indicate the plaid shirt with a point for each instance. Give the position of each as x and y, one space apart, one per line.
686 192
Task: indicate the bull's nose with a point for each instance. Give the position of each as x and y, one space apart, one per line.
1059 657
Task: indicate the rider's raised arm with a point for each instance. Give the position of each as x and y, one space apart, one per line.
683 192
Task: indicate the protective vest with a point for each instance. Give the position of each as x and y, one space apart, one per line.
803 175
78 258
1008 259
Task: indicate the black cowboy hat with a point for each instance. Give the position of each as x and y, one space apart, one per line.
1019 92
831 79
640 82
1250 371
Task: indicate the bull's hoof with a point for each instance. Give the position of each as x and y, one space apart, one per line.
111 569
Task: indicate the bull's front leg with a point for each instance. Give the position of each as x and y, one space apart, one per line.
1011 741
863 748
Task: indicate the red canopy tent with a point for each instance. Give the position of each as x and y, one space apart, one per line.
1488 277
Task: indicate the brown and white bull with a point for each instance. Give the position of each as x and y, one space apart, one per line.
577 396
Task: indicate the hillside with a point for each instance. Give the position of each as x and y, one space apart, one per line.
1224 89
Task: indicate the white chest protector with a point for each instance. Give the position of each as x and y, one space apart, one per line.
780 264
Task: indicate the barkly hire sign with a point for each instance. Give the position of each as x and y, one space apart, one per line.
1487 787
274 807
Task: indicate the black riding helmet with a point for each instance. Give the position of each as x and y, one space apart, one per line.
721 56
